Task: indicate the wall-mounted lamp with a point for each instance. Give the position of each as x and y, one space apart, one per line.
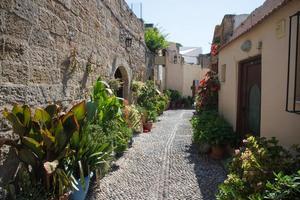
128 42
125 38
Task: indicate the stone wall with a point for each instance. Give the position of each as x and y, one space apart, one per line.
53 50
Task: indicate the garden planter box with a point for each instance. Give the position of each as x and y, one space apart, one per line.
81 193
217 152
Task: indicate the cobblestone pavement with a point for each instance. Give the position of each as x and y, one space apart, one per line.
162 165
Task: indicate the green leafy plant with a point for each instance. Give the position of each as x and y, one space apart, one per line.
115 84
155 40
284 187
44 142
133 118
109 116
153 101
89 153
209 128
253 170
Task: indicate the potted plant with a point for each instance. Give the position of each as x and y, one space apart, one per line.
43 144
213 131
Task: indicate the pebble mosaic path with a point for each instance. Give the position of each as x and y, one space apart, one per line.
162 165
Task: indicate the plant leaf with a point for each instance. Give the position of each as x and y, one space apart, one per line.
34 146
41 116
52 110
79 110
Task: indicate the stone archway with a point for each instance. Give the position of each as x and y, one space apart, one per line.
121 74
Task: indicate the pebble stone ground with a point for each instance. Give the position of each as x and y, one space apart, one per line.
162 165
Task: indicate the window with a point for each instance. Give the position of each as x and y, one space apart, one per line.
293 82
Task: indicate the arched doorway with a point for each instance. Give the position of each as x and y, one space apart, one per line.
122 75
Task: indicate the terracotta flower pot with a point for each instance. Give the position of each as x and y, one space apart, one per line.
147 127
217 152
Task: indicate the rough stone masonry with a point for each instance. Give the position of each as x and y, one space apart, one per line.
53 50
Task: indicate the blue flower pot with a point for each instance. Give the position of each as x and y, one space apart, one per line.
81 193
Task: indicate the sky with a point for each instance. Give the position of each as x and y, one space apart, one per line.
191 22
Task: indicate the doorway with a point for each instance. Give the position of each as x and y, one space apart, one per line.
249 97
121 75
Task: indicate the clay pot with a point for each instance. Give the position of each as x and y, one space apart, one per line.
204 148
217 152
147 127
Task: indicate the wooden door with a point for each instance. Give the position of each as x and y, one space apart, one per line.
249 102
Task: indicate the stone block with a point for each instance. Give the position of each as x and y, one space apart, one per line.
66 3
54 24
16 27
16 73
40 56
26 9
11 93
43 94
7 4
44 75
41 37
58 10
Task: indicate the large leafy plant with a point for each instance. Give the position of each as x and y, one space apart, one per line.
108 106
255 167
44 142
109 116
209 128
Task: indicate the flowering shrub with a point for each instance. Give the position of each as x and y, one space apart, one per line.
254 167
214 49
207 94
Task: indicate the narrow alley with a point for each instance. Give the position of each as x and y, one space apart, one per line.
163 164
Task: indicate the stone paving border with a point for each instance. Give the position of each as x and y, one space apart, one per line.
162 165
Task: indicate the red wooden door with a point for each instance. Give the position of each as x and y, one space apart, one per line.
249 106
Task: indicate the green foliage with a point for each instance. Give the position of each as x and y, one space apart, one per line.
90 152
251 172
133 118
109 107
174 95
179 101
44 142
152 101
115 84
110 116
209 128
284 187
155 40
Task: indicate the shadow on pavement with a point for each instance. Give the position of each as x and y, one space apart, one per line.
209 173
